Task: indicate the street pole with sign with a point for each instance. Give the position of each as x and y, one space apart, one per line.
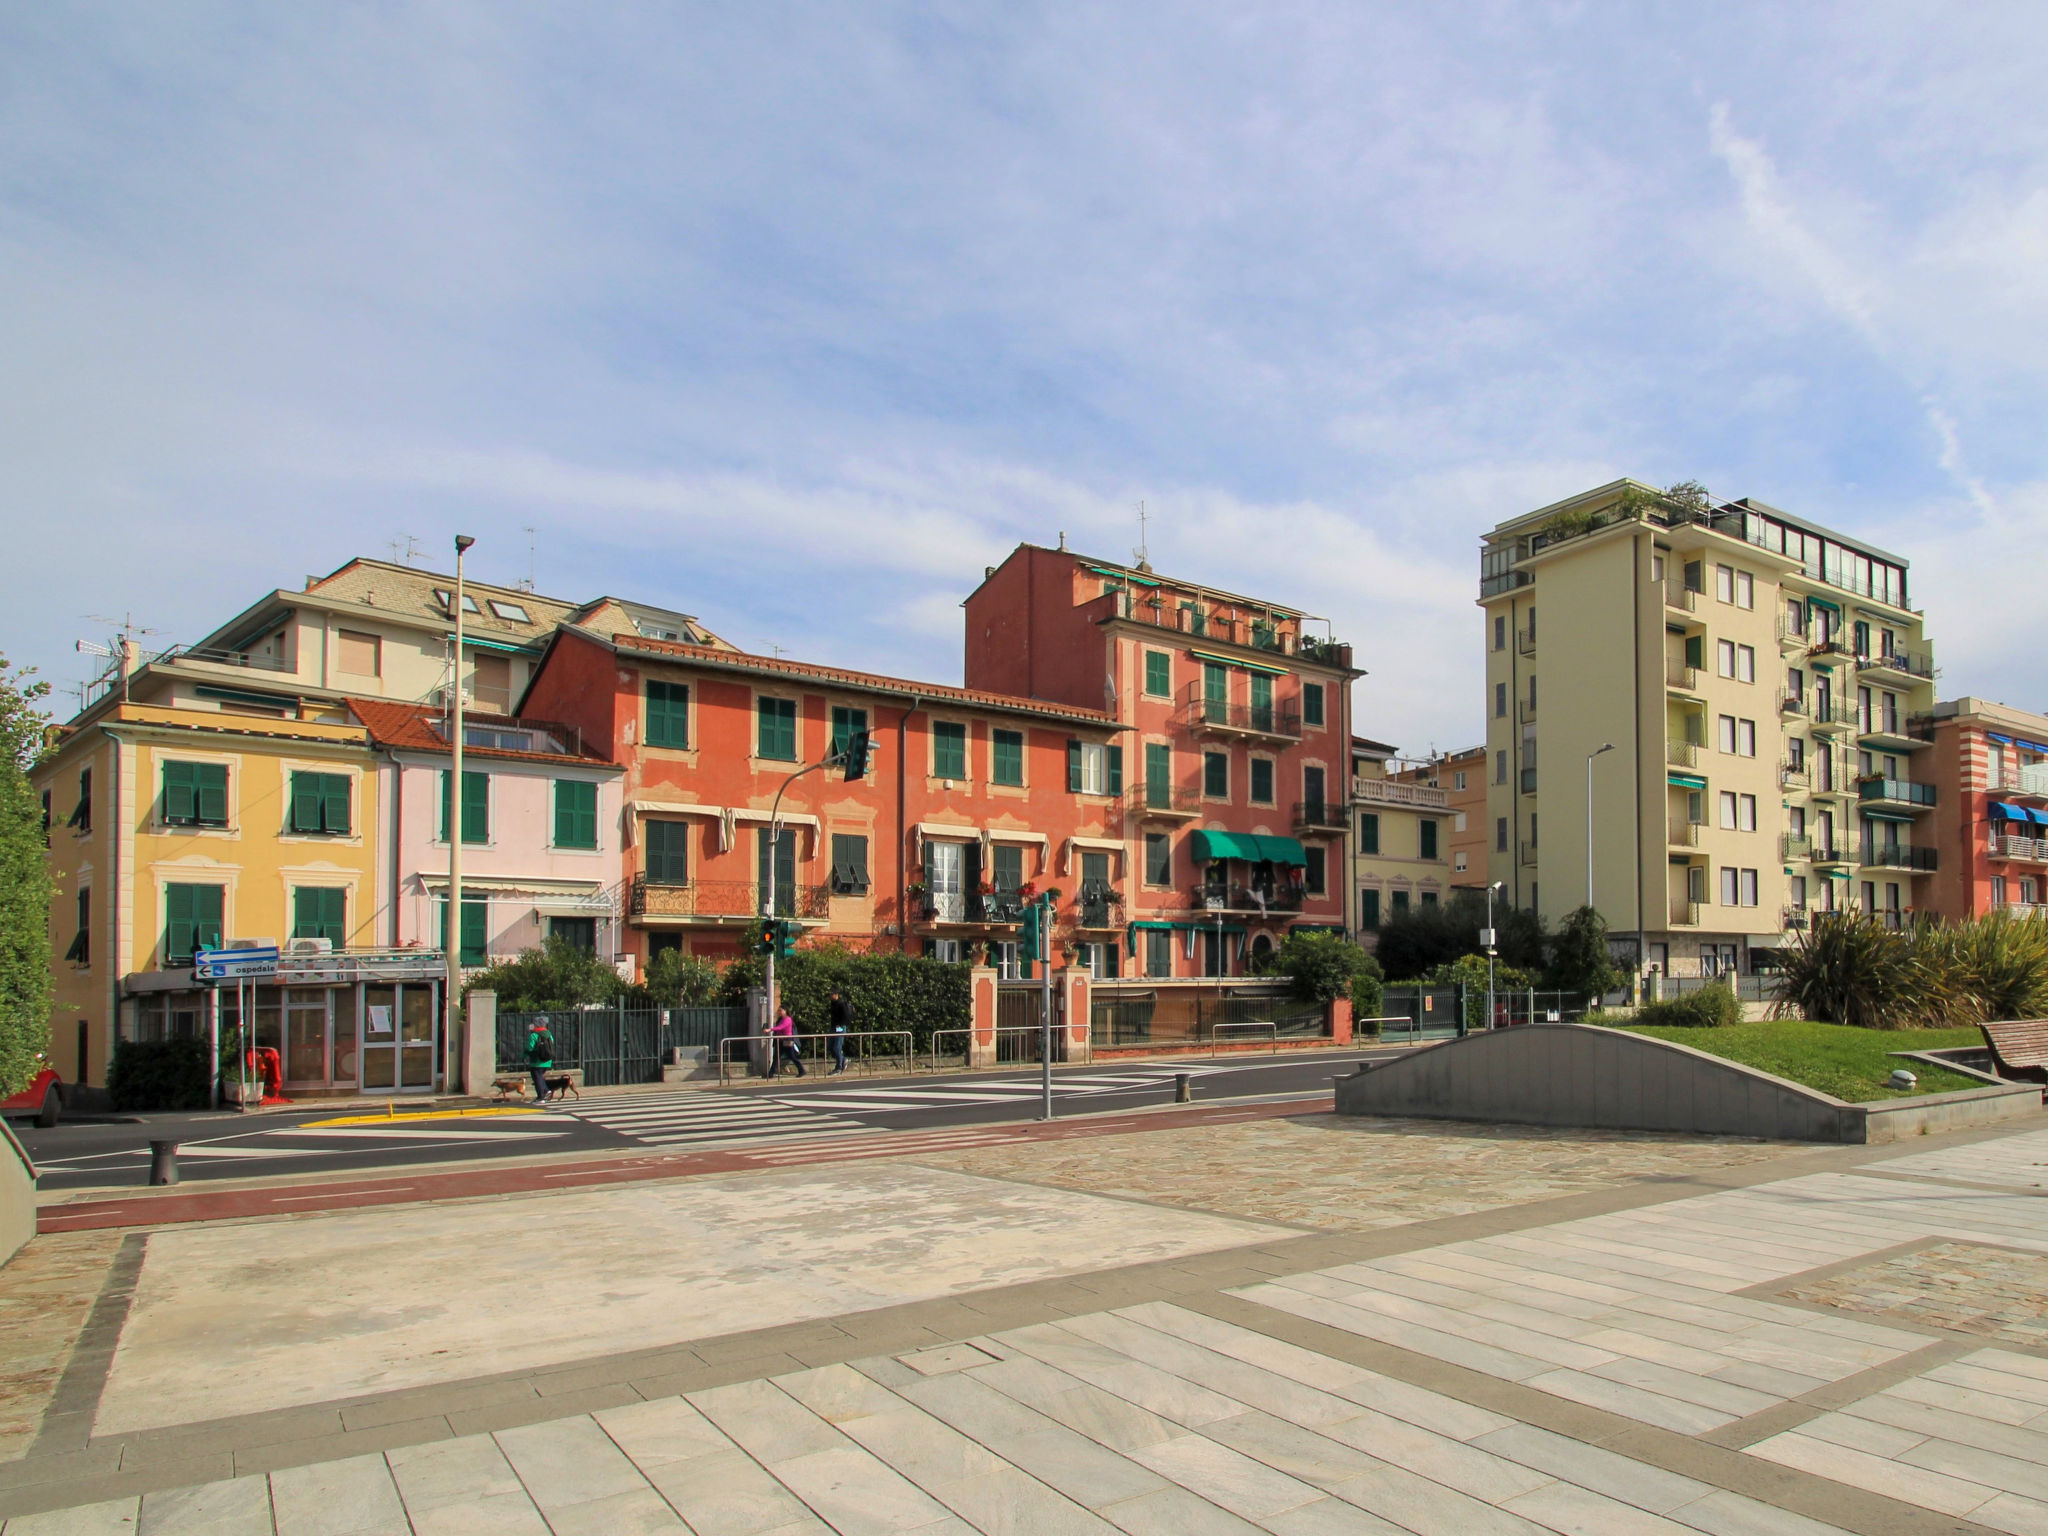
452 934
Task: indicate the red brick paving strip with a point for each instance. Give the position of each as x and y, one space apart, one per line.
404 1189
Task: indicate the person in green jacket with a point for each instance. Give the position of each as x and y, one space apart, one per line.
540 1055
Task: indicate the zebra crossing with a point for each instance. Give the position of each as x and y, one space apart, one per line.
707 1117
701 1117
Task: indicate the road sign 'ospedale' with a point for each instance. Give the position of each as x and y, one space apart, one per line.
233 964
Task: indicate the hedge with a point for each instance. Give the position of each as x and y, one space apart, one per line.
160 1074
888 992
1708 1008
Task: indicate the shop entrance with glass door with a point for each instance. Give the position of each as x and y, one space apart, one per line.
399 1030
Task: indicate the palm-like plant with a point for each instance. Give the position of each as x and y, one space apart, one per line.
1847 969
2008 960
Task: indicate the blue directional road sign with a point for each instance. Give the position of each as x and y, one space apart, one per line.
234 964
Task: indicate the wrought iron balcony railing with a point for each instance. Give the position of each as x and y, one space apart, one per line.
726 900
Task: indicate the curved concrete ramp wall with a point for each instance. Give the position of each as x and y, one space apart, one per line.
1582 1075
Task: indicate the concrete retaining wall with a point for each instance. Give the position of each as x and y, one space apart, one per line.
17 1194
1583 1075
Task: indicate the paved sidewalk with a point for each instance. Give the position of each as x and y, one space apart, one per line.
1741 1349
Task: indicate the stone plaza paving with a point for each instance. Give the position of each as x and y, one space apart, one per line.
1557 1332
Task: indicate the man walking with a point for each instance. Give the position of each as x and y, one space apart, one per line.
842 1026
540 1056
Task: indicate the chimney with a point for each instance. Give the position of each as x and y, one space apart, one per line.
127 656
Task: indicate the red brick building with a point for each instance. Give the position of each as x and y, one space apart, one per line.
1233 808
974 801
1986 809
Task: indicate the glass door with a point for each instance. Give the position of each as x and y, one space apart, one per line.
416 1034
305 1035
399 1036
948 872
380 1037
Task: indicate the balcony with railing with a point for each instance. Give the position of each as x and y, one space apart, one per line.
1794 845
1834 717
2030 850
1320 816
1903 794
1794 775
1528 852
1795 918
1680 676
1400 792
2029 779
1525 710
1679 596
1098 909
723 901
1828 854
1236 897
1528 781
1791 636
1890 733
968 909
1826 647
1902 666
1791 703
1683 833
1898 856
1685 912
1164 802
1229 718
1682 754
1254 634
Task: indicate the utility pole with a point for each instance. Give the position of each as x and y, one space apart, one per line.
853 756
452 938
1044 1011
1492 948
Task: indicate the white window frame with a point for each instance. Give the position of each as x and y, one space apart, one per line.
1745 738
1745 590
1745 663
1728 810
1726 728
1724 658
1724 583
1745 813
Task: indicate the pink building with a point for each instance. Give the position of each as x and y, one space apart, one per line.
1986 809
541 811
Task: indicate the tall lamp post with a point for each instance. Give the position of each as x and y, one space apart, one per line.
1492 948
452 934
1604 747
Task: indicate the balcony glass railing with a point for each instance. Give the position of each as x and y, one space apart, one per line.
1895 792
1897 856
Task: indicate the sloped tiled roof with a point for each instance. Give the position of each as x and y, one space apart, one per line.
871 682
412 728
405 592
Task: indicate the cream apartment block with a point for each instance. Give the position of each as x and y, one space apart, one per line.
1763 684
1400 845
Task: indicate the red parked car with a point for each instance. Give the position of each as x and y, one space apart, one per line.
43 1097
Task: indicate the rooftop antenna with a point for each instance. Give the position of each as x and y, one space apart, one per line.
123 653
531 566
1143 552
405 548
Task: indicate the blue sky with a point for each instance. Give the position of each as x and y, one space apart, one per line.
795 317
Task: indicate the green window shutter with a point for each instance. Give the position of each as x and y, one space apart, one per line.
1158 674
181 798
949 750
476 807
1007 867
1158 774
446 780
1369 836
849 863
1116 770
1008 761
1158 859
211 786
191 921
846 724
777 730
305 802
668 852
476 931
668 714
1216 775
1262 781
1215 682
1400 901
1428 838
1369 910
319 912
1312 703
1696 651
1073 767
575 814
334 808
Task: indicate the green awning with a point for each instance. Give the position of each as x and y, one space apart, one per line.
1143 581
1686 781
1902 820
1238 661
248 696
1185 927
1821 602
1838 874
1249 846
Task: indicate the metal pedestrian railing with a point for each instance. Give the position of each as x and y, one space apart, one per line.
862 1057
1018 1044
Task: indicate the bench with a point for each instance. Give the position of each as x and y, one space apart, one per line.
507 1086
2019 1048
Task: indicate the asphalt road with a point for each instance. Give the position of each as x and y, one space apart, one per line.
230 1145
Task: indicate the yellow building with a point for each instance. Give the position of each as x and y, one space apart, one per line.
176 829
1400 844
1741 688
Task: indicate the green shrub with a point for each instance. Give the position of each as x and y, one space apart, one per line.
888 992
677 980
1368 995
1418 940
1580 960
1322 966
557 975
2007 960
1469 971
1848 969
1708 1008
160 1074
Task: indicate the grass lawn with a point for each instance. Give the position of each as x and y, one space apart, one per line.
1849 1063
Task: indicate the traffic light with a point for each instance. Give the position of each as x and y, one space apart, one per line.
1035 915
858 745
786 931
764 941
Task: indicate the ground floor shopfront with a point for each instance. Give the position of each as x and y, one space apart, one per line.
341 1027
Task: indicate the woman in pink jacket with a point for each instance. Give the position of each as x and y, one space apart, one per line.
782 1045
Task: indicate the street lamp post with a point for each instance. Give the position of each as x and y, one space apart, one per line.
1492 947
451 936
1604 747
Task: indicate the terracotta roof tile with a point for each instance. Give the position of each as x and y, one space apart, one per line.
410 727
745 661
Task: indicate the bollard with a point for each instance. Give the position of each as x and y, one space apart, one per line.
163 1162
1183 1088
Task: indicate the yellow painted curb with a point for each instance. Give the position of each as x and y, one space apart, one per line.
414 1118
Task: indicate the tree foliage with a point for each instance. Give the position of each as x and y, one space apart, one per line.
1416 941
1579 958
26 888
677 980
887 992
1849 969
1322 966
559 974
